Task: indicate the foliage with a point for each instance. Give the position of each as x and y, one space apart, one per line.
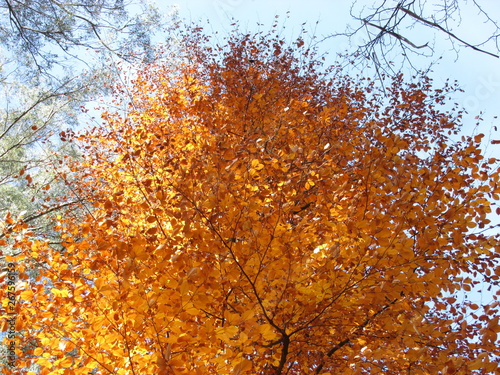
254 213
44 33
52 63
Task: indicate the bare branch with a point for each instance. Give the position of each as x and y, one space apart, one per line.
396 35
433 24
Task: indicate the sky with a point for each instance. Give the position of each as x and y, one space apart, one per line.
477 74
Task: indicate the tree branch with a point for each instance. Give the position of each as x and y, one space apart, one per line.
36 216
360 328
394 34
449 33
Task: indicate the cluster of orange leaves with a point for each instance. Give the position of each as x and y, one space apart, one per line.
255 214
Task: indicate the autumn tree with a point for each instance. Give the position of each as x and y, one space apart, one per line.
54 58
257 213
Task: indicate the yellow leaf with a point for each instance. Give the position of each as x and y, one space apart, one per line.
59 292
27 295
243 366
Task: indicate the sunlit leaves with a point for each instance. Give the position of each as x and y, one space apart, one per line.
267 218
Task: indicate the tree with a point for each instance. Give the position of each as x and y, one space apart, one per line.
44 33
254 213
394 29
46 81
28 163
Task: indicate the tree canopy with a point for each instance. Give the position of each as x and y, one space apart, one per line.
44 33
253 212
